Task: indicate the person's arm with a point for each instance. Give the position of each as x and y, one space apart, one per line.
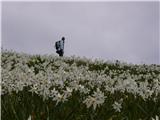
61 45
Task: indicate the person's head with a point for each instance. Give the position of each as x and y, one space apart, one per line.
63 38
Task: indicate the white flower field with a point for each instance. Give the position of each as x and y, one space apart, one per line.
48 87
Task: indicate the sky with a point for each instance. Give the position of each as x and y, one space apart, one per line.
125 31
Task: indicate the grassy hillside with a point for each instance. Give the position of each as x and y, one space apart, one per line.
72 88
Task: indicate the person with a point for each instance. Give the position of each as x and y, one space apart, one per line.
59 45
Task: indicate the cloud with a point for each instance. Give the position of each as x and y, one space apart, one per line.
126 31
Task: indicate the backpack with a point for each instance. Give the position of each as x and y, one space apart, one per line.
57 44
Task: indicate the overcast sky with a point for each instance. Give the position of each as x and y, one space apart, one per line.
127 31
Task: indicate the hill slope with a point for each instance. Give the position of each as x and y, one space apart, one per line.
50 87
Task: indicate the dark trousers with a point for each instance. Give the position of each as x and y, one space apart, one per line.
60 52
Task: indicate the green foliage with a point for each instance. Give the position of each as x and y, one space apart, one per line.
18 106
22 104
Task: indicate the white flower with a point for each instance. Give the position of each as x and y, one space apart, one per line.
156 118
53 93
68 92
82 89
29 118
117 106
57 73
90 101
96 99
60 98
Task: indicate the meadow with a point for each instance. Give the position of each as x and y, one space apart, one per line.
48 87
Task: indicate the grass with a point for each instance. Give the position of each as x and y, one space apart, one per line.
22 104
